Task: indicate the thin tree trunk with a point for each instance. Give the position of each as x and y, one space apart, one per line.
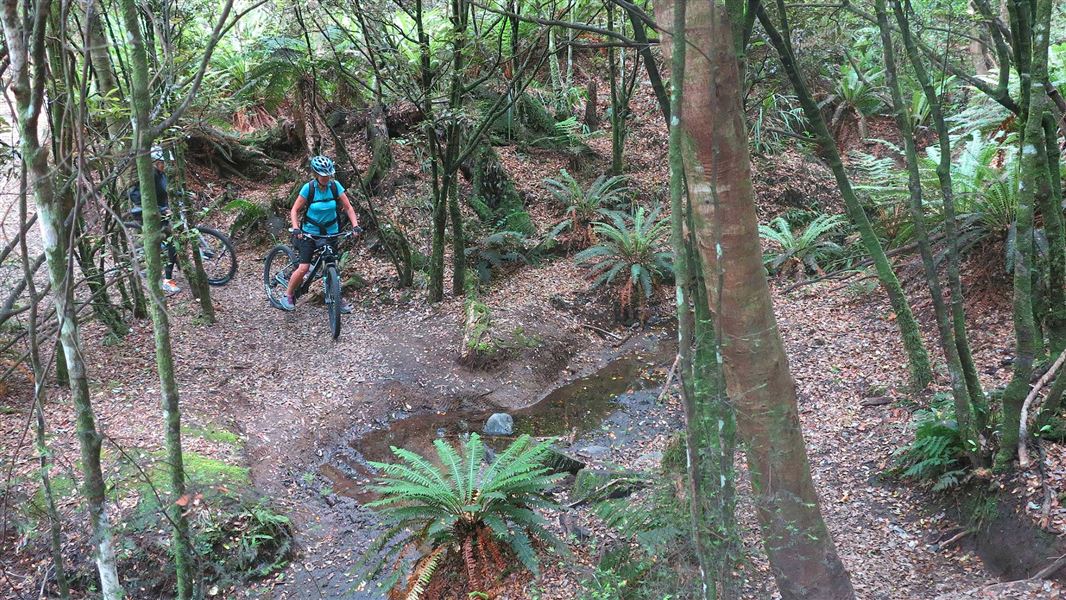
460 11
943 172
1033 183
1051 208
654 78
617 112
142 141
801 553
189 244
709 418
440 206
960 393
24 48
917 357
39 380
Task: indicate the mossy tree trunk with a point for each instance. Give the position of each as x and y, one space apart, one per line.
710 422
143 137
188 239
960 392
801 552
947 190
39 381
28 69
917 357
1033 183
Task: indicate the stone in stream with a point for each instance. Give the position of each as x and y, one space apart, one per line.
594 452
499 424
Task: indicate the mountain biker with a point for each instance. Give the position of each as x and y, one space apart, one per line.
168 284
322 196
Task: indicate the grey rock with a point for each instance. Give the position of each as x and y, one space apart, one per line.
499 424
594 452
650 460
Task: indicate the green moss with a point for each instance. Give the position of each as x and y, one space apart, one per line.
201 470
675 455
215 433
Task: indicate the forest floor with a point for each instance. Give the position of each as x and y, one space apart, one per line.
269 392
291 394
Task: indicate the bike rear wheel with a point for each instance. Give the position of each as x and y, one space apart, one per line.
333 300
278 266
217 255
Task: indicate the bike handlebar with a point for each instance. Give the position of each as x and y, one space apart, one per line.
348 233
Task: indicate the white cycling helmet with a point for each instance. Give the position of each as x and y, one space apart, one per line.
157 153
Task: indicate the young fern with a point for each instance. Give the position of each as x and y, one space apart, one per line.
582 206
632 258
798 254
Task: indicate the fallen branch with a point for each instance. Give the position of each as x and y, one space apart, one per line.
669 378
1051 569
958 536
601 331
1023 427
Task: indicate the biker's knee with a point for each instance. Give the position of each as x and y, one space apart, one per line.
303 268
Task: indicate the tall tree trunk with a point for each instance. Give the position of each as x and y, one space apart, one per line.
39 381
918 359
943 172
960 393
26 48
617 111
654 78
710 423
801 553
460 11
440 191
143 137
1033 183
1051 208
188 238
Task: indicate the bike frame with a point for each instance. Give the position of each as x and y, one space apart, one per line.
324 255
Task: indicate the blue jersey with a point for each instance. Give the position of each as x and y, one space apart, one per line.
321 215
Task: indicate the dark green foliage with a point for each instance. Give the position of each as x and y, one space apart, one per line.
494 196
775 114
632 259
461 508
241 541
661 562
936 456
583 205
803 253
250 218
501 252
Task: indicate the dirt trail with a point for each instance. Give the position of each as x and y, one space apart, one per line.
294 394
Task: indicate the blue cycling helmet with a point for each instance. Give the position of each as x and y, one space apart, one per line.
323 166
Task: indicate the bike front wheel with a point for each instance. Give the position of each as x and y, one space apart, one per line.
217 255
278 267
333 300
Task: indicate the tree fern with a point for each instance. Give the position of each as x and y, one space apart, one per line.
582 206
804 252
461 503
633 246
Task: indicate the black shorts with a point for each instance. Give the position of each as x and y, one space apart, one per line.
305 248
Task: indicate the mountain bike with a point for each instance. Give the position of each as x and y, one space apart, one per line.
216 249
282 260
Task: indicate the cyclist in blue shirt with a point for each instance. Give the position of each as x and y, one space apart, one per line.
322 197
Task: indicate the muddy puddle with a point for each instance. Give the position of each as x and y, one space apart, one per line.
601 407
